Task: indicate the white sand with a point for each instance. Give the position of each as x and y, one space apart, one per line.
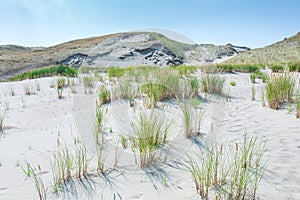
34 123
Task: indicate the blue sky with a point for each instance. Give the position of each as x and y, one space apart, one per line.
253 23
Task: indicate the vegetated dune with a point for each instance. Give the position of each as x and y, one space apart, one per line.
280 53
39 124
121 49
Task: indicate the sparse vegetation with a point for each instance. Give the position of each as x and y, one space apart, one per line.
60 70
60 84
234 173
212 83
88 83
279 89
104 95
150 133
36 176
100 114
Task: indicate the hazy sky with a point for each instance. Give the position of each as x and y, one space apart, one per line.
253 23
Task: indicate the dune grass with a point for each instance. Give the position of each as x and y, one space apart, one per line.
212 83
230 173
238 68
61 70
36 176
192 118
150 133
104 95
100 114
279 89
60 84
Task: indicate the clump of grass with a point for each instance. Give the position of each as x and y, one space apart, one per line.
104 95
37 86
212 83
195 86
232 83
253 91
81 160
73 86
62 164
12 91
60 84
100 114
234 173
36 176
279 89
101 158
49 71
124 141
239 68
116 72
88 83
150 133
192 118
29 90
185 70
252 77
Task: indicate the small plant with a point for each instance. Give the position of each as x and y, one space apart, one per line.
12 91
28 90
17 163
36 177
37 86
150 133
233 173
124 141
232 83
60 84
253 92
100 114
73 86
192 118
252 77
101 158
88 83
104 95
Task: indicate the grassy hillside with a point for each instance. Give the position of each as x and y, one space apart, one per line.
280 53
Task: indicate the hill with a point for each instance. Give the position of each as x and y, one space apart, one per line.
280 53
121 49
